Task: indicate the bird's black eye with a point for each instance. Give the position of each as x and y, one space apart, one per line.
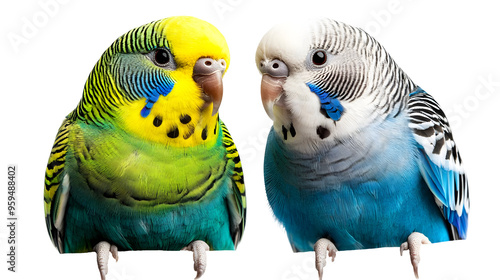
319 58
161 57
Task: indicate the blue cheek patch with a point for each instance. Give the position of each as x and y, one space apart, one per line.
149 105
152 96
330 104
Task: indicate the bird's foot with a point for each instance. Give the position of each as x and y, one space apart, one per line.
320 248
199 249
103 249
413 244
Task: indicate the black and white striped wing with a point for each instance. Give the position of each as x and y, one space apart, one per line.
440 162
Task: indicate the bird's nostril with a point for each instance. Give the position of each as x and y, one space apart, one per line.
275 68
207 66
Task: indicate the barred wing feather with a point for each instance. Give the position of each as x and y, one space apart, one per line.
440 162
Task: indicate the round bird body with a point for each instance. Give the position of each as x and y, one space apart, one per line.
144 162
358 156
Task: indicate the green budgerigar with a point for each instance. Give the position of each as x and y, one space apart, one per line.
144 162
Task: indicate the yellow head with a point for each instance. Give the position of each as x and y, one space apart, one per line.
161 82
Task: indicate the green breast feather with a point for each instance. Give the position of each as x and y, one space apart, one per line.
138 176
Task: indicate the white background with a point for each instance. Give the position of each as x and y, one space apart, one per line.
451 49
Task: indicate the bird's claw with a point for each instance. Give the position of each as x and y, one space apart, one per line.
413 244
103 249
320 248
199 249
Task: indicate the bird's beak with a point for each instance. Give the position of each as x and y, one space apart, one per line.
207 73
271 90
274 75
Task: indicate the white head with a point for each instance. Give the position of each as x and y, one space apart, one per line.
304 63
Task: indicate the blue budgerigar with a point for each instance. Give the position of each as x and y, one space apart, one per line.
359 156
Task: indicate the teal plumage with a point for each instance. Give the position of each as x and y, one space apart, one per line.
135 222
144 162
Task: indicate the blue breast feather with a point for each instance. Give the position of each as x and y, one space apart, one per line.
367 200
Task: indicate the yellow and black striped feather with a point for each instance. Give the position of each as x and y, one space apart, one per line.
239 200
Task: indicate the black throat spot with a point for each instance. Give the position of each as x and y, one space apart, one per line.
157 121
292 130
185 119
173 133
285 132
322 132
